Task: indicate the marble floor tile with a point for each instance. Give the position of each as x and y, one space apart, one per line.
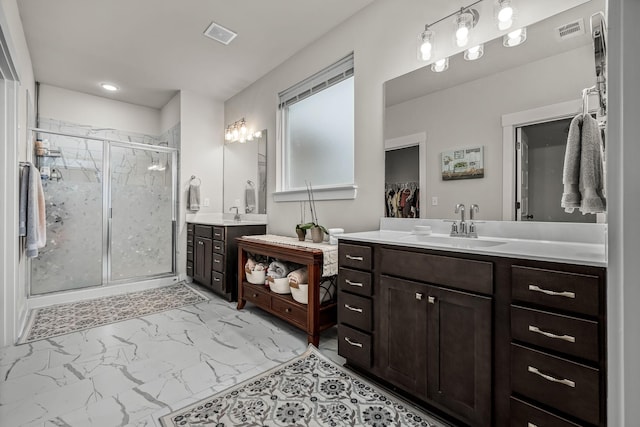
132 372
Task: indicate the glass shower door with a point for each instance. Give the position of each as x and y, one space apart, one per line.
142 212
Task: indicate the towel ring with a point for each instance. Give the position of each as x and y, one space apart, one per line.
193 177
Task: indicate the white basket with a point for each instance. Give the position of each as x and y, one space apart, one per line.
256 277
301 294
280 286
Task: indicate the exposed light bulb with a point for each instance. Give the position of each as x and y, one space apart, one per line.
515 38
250 135
504 15
258 134
465 20
243 128
426 44
474 53
235 133
440 65
462 36
227 135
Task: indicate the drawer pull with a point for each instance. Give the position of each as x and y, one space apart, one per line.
350 283
356 309
531 425
255 295
217 248
565 294
355 258
566 382
419 296
432 300
353 343
537 330
287 310
216 279
216 261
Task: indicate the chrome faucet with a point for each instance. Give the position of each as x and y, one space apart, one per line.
472 227
462 228
236 217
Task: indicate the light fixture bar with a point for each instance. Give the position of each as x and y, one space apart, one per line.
454 13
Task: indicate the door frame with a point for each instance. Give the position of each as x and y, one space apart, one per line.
512 121
419 140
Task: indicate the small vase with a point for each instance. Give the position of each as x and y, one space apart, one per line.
302 234
317 235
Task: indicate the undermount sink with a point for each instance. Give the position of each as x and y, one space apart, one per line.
456 242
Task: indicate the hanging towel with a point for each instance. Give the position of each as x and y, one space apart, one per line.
591 177
194 196
24 195
571 172
36 215
249 197
583 170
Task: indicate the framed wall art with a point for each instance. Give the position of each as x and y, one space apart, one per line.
464 163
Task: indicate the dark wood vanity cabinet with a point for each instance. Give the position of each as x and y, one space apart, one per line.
212 256
486 341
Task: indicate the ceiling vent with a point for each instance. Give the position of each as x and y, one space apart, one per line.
570 30
220 33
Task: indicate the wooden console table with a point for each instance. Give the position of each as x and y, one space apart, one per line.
313 317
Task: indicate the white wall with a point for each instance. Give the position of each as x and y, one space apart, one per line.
12 266
470 115
383 37
81 108
170 114
623 152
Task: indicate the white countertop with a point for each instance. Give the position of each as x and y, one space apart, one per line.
226 220
583 244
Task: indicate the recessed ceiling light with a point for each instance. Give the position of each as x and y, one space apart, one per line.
110 87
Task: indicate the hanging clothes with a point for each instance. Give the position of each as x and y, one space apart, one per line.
401 200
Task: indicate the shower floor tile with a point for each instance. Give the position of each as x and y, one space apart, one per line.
132 372
61 319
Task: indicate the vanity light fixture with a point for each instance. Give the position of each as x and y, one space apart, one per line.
465 20
240 132
440 65
504 14
474 52
109 86
515 38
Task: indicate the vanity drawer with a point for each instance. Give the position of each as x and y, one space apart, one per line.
217 281
526 415
218 262
356 256
218 246
218 233
354 281
354 346
465 274
355 311
203 231
257 294
190 268
577 337
567 386
565 291
289 311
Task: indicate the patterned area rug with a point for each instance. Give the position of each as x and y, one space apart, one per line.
309 390
55 320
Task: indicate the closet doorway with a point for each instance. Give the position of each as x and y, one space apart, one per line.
405 171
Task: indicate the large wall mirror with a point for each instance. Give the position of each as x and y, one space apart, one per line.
245 175
464 108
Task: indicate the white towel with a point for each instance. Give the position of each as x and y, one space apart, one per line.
571 172
278 270
36 215
250 199
24 196
194 197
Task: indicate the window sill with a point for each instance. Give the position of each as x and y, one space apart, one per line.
343 192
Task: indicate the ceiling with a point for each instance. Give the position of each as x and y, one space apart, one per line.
153 48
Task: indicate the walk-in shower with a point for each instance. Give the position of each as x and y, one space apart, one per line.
111 211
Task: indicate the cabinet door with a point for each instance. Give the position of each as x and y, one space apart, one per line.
459 348
401 346
202 260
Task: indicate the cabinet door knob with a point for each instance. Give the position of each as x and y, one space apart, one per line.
255 295
200 242
419 296
432 300
287 310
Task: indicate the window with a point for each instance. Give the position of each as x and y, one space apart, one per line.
316 138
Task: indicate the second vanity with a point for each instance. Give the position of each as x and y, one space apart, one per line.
495 331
